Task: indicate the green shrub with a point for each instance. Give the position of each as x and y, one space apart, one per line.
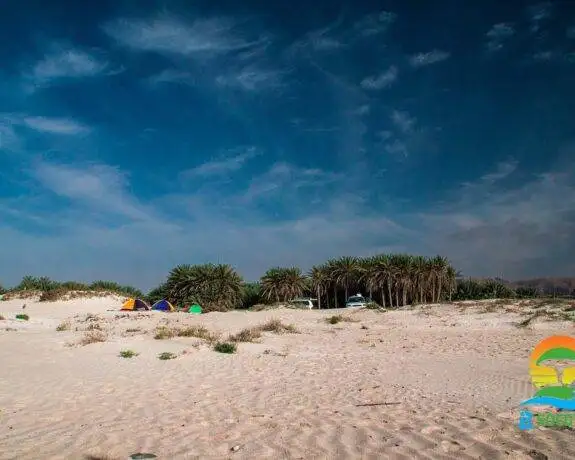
167 355
128 354
225 347
23 316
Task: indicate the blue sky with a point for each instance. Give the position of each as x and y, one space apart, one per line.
136 138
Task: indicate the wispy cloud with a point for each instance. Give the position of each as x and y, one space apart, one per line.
538 14
9 140
518 231
171 76
403 121
431 57
374 24
286 178
381 81
223 165
499 35
166 34
65 126
65 62
252 79
102 187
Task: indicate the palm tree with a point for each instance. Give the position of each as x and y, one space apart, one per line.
215 287
345 272
319 278
419 271
368 274
283 284
382 277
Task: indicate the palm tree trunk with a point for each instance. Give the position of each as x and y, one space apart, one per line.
335 296
318 298
389 292
382 297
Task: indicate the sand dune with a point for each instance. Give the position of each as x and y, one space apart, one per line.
428 383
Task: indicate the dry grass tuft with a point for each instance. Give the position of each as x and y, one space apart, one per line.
199 332
276 326
163 333
249 334
335 319
92 337
64 326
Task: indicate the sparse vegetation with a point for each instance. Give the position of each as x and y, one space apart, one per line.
199 332
92 337
23 316
167 355
128 354
225 347
163 333
276 326
64 326
335 319
2 318
246 335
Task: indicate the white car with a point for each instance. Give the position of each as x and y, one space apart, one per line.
302 303
357 301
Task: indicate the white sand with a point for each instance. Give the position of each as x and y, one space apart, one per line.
452 383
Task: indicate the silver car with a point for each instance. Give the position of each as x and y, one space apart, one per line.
357 301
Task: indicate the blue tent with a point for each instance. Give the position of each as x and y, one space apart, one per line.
163 305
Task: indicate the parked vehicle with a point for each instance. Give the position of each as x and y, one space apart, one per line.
357 301
302 303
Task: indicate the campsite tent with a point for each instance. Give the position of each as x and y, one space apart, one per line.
135 304
163 305
195 309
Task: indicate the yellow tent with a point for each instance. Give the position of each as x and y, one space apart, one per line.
135 304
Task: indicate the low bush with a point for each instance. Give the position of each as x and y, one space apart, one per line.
225 347
167 355
93 337
128 354
23 316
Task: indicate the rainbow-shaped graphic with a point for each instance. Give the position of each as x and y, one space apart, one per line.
554 389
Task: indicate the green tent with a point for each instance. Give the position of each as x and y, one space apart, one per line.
195 309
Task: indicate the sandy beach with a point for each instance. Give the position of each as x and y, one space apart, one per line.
431 382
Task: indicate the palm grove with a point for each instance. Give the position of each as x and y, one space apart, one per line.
391 280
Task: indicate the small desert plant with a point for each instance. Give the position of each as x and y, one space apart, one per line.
199 332
63 326
275 325
167 355
225 347
128 354
163 333
2 318
94 327
23 316
93 337
246 335
52 295
335 319
133 329
373 306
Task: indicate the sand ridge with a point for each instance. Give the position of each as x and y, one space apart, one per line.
435 382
